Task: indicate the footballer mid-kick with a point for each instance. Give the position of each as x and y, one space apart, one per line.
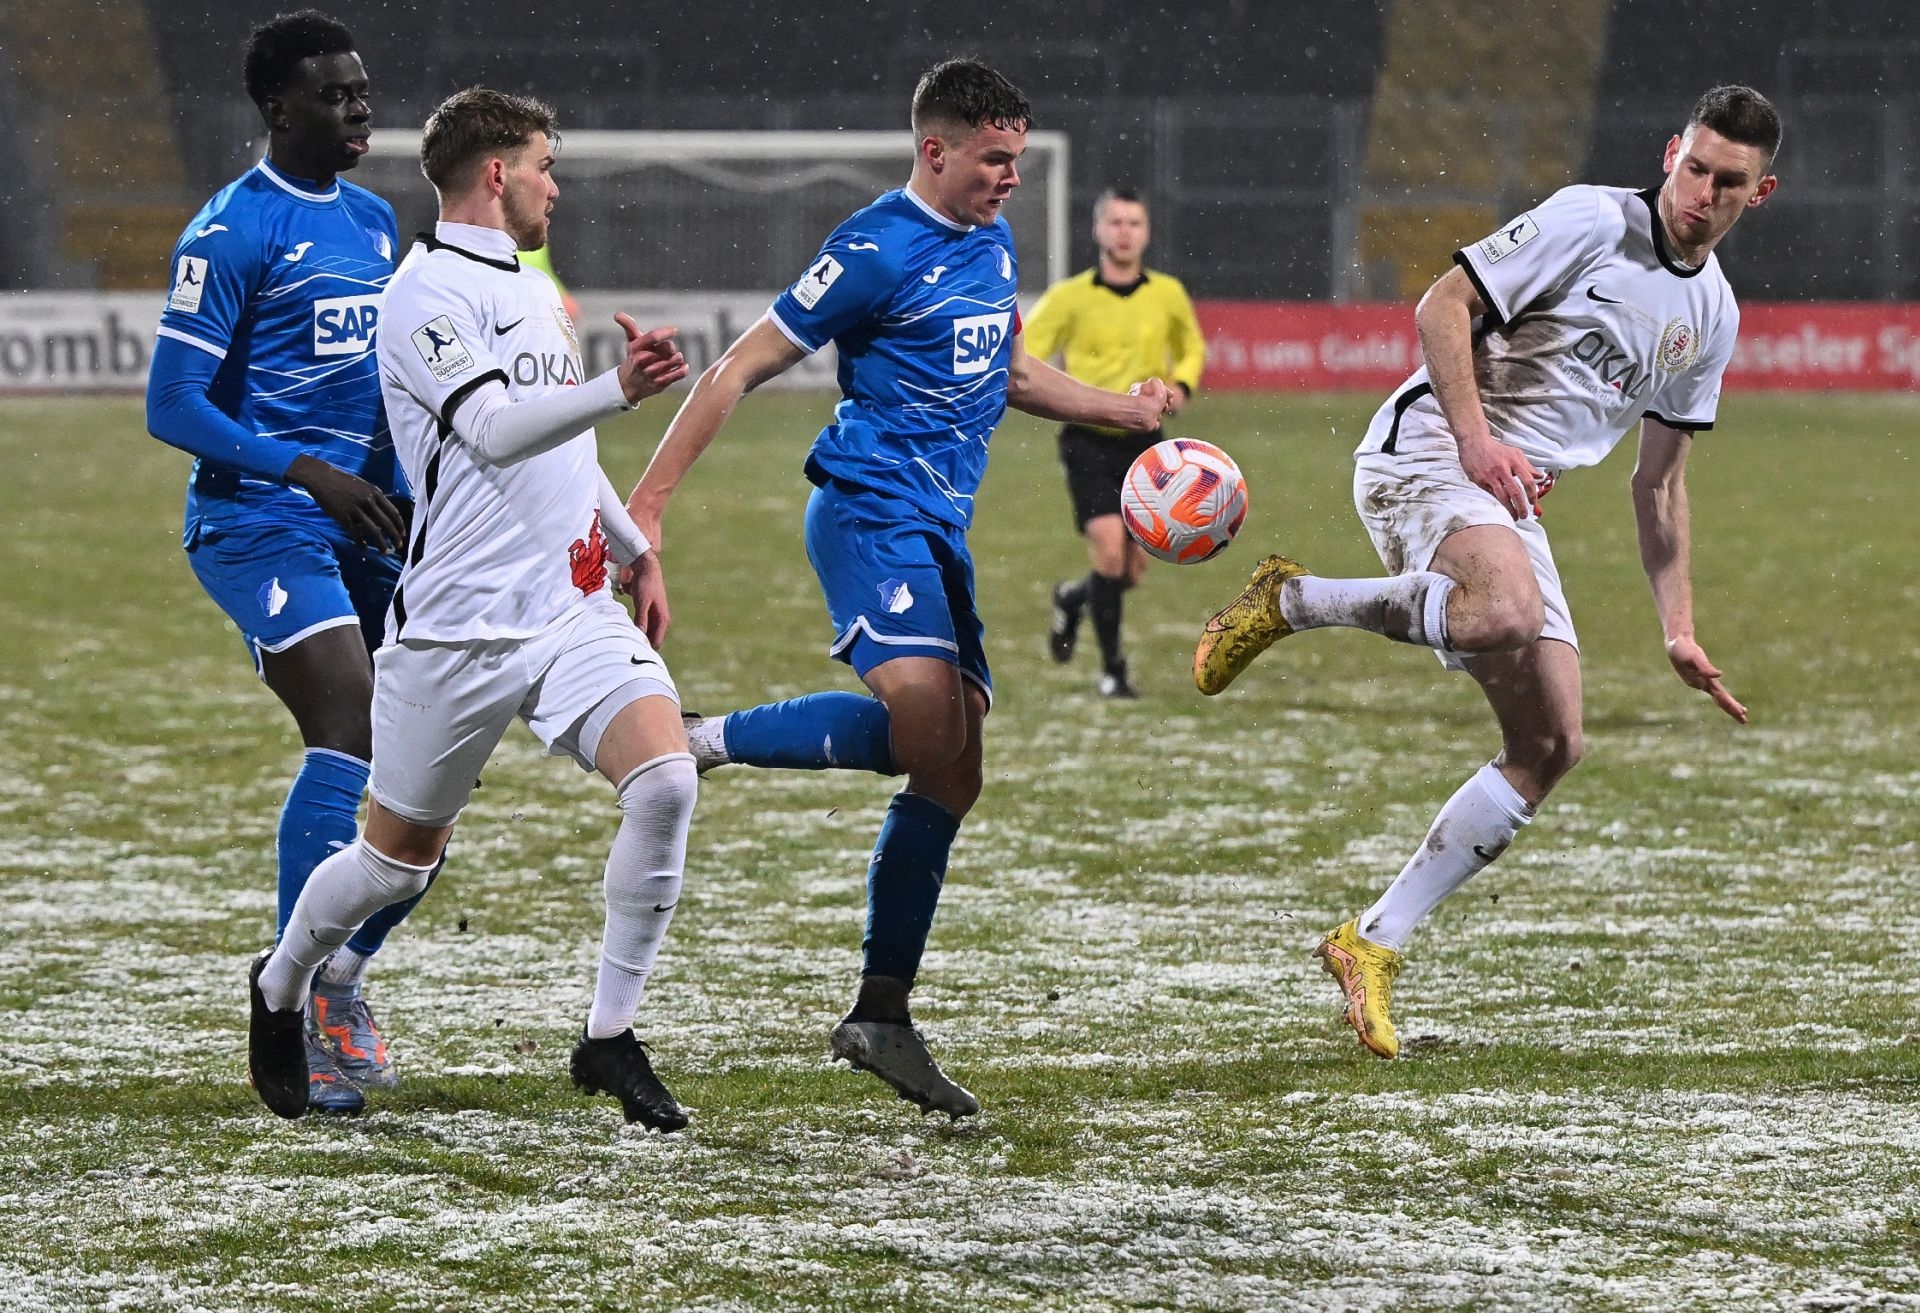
1600 307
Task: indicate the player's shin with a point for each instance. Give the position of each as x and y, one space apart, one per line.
821 731
1408 608
1104 605
904 880
317 818
642 885
340 895
1475 827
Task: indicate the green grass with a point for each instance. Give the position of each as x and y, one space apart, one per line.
1665 1055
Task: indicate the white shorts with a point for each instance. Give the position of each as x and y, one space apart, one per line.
440 709
1413 501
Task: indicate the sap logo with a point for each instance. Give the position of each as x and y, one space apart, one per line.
344 325
977 339
1610 364
555 371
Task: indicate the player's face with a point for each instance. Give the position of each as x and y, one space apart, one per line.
1121 231
320 120
1710 183
979 172
528 192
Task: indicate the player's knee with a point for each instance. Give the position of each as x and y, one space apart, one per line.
1497 623
926 733
396 879
663 788
956 787
1548 755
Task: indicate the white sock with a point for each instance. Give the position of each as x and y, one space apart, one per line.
708 740
343 891
344 968
1408 608
1475 826
643 885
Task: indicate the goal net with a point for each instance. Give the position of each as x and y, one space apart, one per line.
727 211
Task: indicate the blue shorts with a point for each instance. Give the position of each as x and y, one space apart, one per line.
897 583
283 581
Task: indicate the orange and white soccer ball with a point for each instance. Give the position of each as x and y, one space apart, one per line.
1183 500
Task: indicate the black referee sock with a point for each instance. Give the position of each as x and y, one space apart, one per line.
1103 606
1075 593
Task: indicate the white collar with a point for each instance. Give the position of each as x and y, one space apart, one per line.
494 243
934 214
292 188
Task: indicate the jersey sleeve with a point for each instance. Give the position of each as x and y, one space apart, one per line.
1184 336
1529 256
215 272
433 343
1045 331
852 279
1690 399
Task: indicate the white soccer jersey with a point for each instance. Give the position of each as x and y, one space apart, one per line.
1592 322
498 550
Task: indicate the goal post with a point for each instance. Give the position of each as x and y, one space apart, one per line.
729 211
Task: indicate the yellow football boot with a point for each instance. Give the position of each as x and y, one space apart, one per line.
1365 973
1245 627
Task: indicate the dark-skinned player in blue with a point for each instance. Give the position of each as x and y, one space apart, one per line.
297 511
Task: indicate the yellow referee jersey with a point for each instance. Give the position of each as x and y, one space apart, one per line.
1115 337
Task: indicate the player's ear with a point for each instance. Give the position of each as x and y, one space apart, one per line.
934 151
1673 153
274 111
1764 190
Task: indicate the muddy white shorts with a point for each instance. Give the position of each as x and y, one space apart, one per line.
1414 500
440 709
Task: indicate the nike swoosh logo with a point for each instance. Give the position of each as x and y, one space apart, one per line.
1486 856
1593 294
668 908
863 246
934 277
211 229
643 661
498 329
297 254
335 845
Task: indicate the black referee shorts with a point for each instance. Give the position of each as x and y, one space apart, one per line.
1096 465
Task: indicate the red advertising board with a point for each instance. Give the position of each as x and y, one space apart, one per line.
1308 346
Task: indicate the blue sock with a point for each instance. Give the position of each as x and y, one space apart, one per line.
821 731
903 884
317 819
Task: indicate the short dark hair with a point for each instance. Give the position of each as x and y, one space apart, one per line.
276 47
478 122
1740 114
1129 194
966 93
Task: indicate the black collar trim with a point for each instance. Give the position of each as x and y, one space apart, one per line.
1667 259
1117 289
435 244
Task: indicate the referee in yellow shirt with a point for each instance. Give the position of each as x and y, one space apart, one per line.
1114 325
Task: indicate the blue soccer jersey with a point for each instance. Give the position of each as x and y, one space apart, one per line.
276 288
923 313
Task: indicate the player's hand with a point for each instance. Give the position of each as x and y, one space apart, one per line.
1696 671
652 363
1154 401
1177 399
642 581
1503 471
354 504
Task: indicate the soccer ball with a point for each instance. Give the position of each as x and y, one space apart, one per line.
1183 500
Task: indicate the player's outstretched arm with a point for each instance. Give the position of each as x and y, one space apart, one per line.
1039 389
1444 319
1661 513
760 353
